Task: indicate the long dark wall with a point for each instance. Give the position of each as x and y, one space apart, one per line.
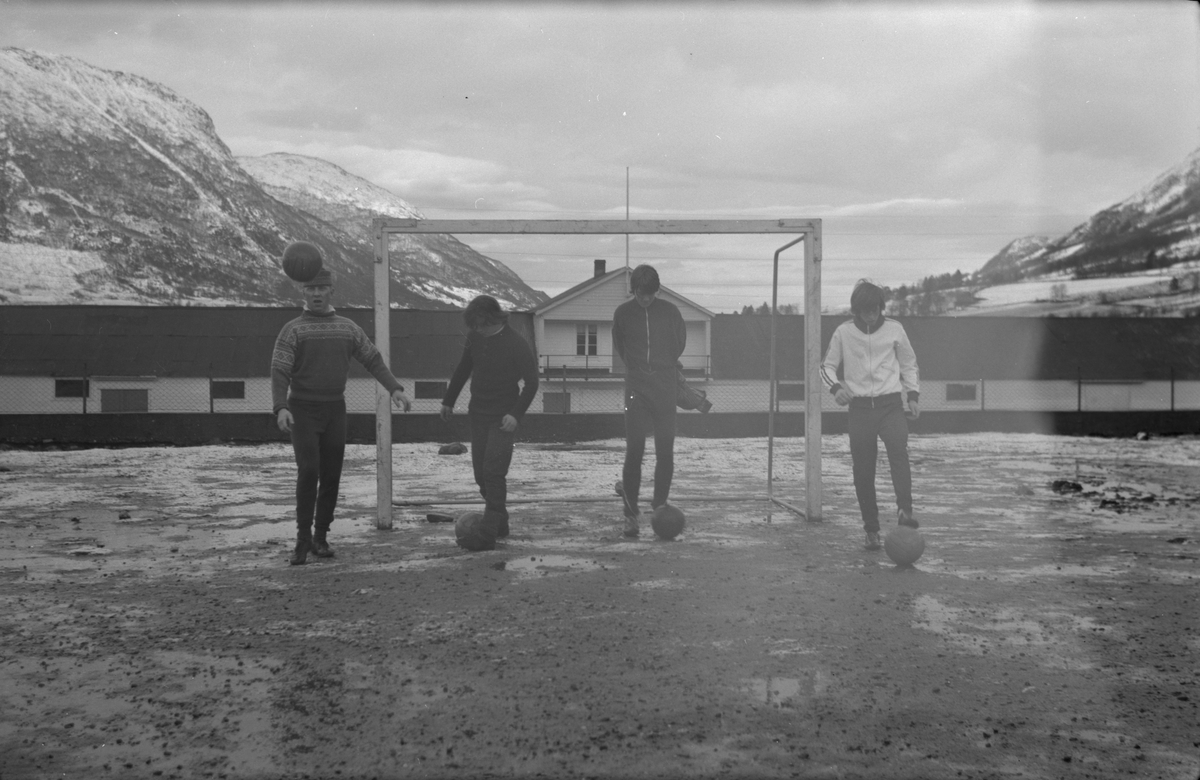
982 347
237 342
34 430
205 341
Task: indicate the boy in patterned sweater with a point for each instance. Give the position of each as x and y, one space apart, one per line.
309 368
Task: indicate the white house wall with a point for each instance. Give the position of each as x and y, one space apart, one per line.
35 395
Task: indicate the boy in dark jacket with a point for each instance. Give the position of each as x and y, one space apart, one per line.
496 358
308 382
649 335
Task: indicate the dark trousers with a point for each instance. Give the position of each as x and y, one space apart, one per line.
868 424
645 412
319 441
491 455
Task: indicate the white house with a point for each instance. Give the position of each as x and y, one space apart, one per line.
573 330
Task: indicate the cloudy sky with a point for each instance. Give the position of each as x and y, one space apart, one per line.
925 135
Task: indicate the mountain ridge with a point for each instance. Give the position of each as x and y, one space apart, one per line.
114 189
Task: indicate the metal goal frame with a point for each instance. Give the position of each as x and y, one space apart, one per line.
808 230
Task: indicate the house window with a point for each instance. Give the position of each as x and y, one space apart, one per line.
960 392
71 388
430 389
228 388
124 400
585 339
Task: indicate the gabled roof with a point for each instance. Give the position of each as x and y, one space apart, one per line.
596 281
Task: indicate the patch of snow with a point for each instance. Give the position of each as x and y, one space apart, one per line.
1040 290
30 273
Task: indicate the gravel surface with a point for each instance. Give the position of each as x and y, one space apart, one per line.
151 626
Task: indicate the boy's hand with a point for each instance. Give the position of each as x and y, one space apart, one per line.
284 420
843 396
508 424
914 411
401 400
446 412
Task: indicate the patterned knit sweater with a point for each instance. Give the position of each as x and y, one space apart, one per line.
312 356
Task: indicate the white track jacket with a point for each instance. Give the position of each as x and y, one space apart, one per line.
874 363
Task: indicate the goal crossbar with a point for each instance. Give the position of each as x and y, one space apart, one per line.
808 229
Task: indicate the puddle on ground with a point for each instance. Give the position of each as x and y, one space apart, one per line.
660 585
256 509
1051 637
785 692
549 565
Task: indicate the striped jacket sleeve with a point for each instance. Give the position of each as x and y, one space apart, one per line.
910 376
833 359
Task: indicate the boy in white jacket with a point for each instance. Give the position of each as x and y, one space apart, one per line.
879 379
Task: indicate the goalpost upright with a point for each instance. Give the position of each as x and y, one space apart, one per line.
809 231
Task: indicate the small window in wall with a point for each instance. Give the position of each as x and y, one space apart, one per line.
228 388
122 400
71 388
430 389
960 392
585 339
791 391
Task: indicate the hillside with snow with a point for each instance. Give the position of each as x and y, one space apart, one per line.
1139 257
116 190
436 267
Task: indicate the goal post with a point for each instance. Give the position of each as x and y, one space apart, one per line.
809 230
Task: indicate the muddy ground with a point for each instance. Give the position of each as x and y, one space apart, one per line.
151 627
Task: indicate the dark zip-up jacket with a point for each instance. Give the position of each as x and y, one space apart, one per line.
650 341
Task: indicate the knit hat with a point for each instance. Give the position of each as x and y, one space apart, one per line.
323 277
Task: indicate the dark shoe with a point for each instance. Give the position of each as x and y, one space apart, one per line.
872 540
631 526
320 548
300 556
906 518
502 530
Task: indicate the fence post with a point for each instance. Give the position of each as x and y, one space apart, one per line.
210 388
87 388
982 394
1172 388
564 389
1078 389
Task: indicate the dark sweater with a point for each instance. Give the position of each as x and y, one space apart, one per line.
312 359
650 341
495 364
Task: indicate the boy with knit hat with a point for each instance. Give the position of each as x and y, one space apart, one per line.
309 368
496 358
879 379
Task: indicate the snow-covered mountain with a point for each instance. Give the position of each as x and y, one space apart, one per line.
436 267
114 189
1157 227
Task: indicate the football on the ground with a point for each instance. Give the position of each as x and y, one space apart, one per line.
302 261
473 533
904 545
667 521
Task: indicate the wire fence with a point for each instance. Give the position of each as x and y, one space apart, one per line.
584 390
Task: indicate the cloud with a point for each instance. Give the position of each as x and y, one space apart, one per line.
310 118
